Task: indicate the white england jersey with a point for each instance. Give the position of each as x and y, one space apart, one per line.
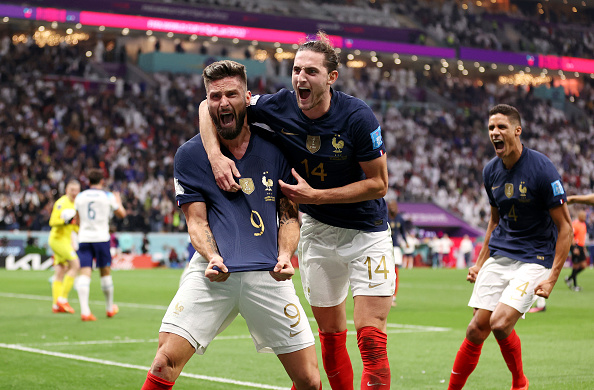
95 208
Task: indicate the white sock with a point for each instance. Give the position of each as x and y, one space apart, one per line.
83 285
107 287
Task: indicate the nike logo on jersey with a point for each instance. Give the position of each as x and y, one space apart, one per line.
494 188
291 334
372 285
287 133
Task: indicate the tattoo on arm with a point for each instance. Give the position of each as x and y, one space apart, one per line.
288 212
210 240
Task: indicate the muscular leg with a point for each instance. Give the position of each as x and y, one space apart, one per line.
470 351
172 355
370 315
302 367
371 311
335 358
503 321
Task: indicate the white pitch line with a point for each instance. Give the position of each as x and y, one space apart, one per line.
136 367
404 328
48 298
218 338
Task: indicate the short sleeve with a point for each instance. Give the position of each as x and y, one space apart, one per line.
367 133
553 189
113 204
186 179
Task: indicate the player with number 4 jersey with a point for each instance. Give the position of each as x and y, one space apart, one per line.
526 244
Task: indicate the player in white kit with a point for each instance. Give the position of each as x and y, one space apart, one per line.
95 207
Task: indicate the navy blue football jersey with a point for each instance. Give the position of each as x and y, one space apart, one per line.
523 195
326 151
244 224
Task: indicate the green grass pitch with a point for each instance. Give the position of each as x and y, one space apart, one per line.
42 350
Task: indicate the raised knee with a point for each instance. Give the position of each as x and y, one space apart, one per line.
500 327
477 333
163 367
312 382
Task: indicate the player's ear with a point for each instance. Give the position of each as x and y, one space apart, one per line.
248 97
332 77
518 130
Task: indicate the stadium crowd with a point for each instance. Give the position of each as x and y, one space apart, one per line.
525 27
58 119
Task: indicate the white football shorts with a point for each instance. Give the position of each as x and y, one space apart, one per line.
507 281
331 258
201 309
397 256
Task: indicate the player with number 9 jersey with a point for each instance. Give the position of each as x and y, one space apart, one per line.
245 221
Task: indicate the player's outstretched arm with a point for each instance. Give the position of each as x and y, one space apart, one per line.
203 240
223 168
374 186
288 238
485 252
584 199
562 219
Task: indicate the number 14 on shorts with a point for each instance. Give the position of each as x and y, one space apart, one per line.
380 269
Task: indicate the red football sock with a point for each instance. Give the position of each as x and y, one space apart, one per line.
336 360
511 349
153 382
465 363
376 368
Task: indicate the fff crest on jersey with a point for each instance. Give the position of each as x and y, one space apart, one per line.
338 145
268 183
313 143
509 189
247 185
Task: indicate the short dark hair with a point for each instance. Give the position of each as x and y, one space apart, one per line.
509 111
322 44
95 176
222 69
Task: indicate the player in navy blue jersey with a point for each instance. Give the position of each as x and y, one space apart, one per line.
334 144
244 243
526 244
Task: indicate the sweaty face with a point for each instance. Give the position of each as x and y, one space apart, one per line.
311 82
502 134
227 104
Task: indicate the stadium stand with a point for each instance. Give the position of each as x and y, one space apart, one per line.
60 114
